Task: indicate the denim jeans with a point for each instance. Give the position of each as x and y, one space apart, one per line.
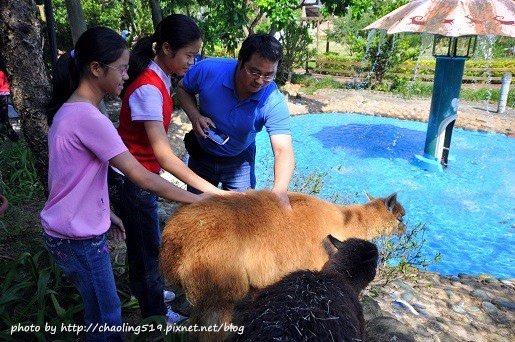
87 265
138 210
233 173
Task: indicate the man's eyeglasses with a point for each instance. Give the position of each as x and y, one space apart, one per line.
256 75
122 70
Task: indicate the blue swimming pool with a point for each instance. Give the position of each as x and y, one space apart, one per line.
469 209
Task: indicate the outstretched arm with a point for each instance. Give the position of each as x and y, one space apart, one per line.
152 182
284 163
170 162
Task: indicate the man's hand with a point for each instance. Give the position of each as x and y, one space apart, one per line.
283 198
117 231
200 123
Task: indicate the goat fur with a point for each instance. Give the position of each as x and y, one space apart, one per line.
225 247
313 306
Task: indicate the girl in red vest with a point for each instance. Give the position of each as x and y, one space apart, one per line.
144 119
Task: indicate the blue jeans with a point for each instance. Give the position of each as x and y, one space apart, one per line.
138 210
233 173
87 265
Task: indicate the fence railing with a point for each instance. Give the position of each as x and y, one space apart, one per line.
421 72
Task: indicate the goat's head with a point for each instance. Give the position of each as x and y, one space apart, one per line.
356 259
394 225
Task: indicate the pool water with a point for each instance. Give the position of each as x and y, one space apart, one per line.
469 209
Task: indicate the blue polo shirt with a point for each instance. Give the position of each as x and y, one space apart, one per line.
213 80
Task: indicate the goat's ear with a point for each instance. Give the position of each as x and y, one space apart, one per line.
368 196
332 244
390 201
329 247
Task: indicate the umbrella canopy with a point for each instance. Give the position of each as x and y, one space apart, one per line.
452 18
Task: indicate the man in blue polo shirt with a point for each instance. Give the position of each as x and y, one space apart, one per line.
238 98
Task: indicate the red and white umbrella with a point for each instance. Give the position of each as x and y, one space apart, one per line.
452 18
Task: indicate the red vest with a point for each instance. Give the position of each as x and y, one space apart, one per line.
133 133
4 84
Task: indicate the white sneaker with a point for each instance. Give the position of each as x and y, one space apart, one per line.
168 296
173 317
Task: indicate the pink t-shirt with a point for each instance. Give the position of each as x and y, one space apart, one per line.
81 141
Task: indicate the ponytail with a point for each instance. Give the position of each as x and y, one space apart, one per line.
141 55
65 80
97 44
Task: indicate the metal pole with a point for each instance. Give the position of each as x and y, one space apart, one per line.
443 112
505 89
51 32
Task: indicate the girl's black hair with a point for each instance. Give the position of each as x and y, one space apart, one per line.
264 44
100 44
178 30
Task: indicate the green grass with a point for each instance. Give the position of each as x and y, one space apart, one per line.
20 185
311 84
322 45
34 293
20 182
406 88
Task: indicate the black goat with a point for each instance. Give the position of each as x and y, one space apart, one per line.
314 306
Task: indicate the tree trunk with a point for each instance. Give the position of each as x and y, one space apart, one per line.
157 14
75 18
21 42
77 27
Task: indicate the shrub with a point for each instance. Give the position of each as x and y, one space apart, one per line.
401 257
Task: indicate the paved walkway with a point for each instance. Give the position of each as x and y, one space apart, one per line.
480 116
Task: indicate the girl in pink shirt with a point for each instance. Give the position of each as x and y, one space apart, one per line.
82 142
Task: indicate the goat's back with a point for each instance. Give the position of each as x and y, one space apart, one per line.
251 234
303 306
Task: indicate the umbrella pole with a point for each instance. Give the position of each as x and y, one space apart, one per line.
443 112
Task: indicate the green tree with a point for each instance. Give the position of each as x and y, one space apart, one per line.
222 22
138 19
341 7
381 51
347 31
295 40
95 13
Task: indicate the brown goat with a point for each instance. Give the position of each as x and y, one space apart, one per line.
223 248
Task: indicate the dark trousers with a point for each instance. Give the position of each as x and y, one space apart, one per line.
235 173
138 210
6 130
